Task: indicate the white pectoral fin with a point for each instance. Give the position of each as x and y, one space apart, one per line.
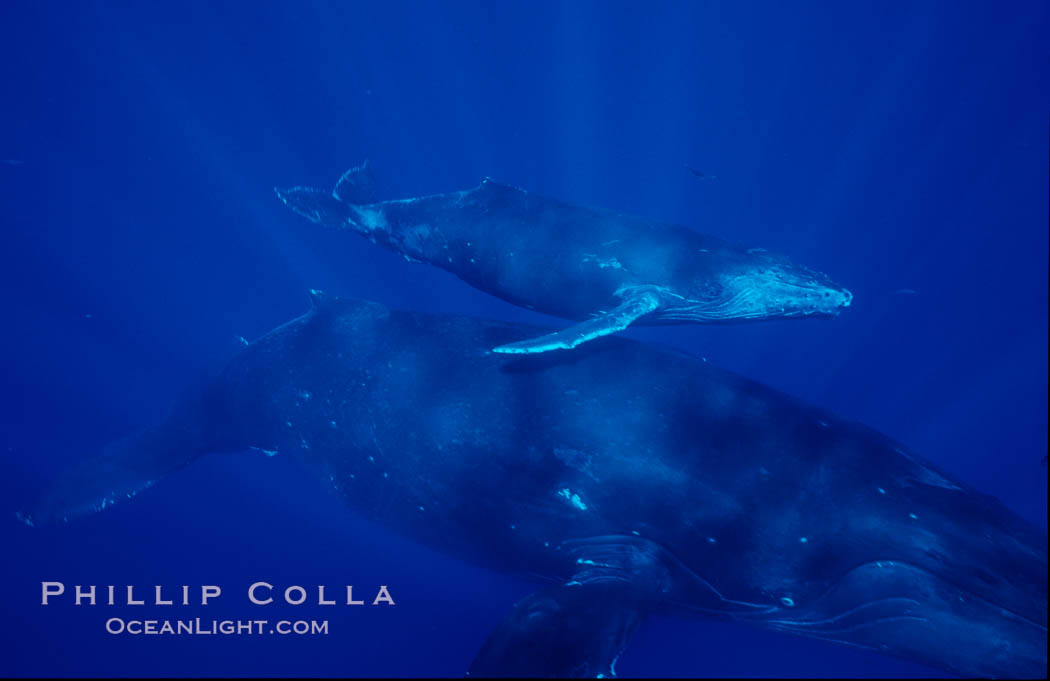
636 303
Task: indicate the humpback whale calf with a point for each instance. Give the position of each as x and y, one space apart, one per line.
625 479
604 269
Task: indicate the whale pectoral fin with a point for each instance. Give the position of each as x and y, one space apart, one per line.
562 631
636 303
579 628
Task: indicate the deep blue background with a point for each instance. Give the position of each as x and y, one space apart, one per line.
893 146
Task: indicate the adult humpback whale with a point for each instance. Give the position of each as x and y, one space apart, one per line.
605 269
630 479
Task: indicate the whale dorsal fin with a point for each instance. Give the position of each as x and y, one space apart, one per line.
357 186
637 302
324 305
319 298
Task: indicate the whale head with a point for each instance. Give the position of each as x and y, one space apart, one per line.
759 286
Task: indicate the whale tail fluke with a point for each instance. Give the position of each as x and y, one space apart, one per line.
357 186
127 466
316 205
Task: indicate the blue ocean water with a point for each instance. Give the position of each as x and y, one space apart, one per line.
901 148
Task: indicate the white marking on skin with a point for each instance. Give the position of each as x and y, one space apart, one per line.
375 220
375 441
603 263
372 220
572 498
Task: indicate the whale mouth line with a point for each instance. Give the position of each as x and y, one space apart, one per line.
827 625
752 303
896 603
